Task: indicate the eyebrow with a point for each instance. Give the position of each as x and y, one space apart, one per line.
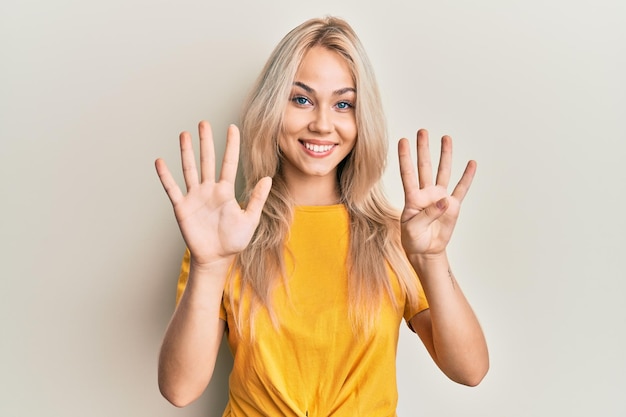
310 90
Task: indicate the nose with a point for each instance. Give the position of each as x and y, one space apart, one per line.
322 121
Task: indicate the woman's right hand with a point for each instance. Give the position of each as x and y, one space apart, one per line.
212 223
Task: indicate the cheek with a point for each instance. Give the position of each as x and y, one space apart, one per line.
349 130
293 121
282 142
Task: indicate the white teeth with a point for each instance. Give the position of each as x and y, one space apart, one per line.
318 148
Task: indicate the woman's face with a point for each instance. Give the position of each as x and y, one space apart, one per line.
319 127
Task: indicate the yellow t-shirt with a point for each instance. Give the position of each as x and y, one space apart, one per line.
314 365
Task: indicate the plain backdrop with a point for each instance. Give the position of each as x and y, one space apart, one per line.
92 92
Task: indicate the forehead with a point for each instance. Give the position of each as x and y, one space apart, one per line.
322 65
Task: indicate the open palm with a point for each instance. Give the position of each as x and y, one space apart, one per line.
212 223
430 212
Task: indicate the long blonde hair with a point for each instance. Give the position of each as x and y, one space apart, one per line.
374 224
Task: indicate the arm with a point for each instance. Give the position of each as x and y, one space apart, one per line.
214 228
449 329
193 336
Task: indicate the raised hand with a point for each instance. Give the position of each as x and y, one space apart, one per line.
212 223
430 213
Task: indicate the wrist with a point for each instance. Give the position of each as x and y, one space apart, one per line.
215 265
423 263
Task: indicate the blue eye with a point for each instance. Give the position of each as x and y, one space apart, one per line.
344 105
300 100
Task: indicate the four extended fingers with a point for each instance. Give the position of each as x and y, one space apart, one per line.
231 159
424 166
207 156
207 161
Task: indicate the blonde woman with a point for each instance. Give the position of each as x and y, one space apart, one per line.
311 274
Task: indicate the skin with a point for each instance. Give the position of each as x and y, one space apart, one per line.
449 328
215 227
320 115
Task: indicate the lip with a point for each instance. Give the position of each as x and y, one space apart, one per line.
318 143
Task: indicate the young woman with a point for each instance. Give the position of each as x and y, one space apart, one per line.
311 279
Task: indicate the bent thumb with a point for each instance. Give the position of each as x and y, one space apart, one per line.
434 211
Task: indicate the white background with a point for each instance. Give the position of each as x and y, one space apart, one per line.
92 92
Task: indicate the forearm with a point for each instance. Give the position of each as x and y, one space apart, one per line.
455 338
193 336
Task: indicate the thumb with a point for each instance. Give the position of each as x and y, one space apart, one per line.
434 211
258 197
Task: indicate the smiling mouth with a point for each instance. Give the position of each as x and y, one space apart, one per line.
318 148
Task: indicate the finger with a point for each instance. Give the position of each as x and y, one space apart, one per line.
465 182
431 213
231 155
168 182
188 159
407 170
207 152
424 167
445 162
259 197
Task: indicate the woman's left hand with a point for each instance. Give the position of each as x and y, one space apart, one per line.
430 212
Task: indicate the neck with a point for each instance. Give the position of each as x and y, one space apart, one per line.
313 191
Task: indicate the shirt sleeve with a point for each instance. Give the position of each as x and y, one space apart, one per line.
182 282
